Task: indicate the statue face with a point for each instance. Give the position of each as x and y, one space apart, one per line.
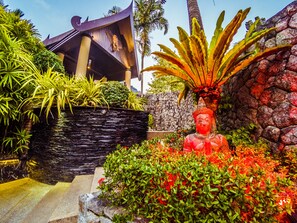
203 124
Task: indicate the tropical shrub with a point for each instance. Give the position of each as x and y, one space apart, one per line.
19 40
18 142
51 89
87 92
46 59
58 91
241 136
162 184
115 93
135 102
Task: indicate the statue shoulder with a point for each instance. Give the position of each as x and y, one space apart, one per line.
190 136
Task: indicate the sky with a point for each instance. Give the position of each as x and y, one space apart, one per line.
52 17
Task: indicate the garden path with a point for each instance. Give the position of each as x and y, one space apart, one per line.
28 201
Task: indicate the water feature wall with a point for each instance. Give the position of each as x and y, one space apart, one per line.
75 144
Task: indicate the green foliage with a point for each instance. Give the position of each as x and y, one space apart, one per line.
87 92
115 93
288 160
148 16
20 29
18 42
18 142
150 121
225 103
135 102
241 136
165 84
52 89
46 59
163 184
176 139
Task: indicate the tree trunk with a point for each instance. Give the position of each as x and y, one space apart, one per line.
141 73
194 12
211 97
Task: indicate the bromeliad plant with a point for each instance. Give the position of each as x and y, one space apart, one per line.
162 184
203 67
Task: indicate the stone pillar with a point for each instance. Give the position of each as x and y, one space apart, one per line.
128 78
83 57
61 56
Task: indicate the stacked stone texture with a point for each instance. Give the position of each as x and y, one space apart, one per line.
266 92
75 144
167 114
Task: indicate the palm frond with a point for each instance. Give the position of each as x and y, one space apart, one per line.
246 62
174 71
183 94
231 58
223 42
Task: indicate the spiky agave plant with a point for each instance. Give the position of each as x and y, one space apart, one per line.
203 67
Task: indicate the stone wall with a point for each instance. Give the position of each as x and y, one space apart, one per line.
75 144
266 92
167 114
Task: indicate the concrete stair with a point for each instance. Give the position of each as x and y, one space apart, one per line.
29 201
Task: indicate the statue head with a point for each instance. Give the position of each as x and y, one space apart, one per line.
204 120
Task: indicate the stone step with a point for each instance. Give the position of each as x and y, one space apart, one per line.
18 198
98 174
45 207
68 208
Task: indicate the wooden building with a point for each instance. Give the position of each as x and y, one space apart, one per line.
103 47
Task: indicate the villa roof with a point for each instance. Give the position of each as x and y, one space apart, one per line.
106 61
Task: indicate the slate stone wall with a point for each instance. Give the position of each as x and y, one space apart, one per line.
75 144
167 114
266 92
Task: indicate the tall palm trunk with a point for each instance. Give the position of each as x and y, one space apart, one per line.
194 12
143 52
141 74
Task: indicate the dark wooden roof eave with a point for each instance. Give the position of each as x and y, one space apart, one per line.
55 42
105 21
89 25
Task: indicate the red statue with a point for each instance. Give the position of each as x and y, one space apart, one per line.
205 140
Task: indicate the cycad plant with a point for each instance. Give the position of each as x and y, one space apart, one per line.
203 67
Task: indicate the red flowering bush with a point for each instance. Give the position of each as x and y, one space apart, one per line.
162 184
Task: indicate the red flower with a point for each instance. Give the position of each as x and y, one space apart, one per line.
100 181
162 201
248 188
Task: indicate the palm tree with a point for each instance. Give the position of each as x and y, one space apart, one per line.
113 10
148 16
194 12
204 67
